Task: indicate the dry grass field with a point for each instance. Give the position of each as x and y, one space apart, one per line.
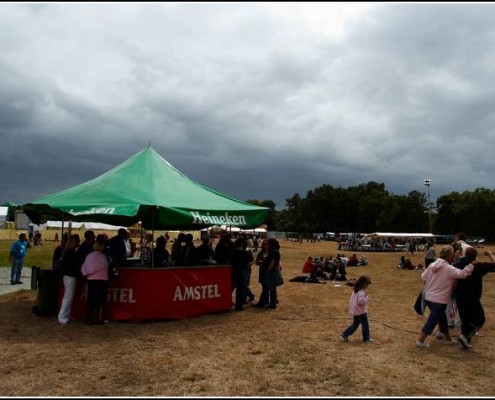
292 351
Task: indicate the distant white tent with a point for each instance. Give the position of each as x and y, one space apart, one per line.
80 225
100 226
400 235
237 229
3 216
230 228
255 230
58 224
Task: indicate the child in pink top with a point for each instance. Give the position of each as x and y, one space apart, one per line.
358 308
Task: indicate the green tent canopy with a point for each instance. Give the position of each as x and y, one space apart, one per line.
149 189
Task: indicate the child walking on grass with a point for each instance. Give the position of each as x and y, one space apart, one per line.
358 308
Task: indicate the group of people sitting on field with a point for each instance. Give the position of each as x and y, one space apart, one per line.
331 268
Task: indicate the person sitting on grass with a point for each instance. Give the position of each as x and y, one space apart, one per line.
408 264
338 271
362 261
353 261
308 265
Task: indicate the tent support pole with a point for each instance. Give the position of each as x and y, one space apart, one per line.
153 235
141 240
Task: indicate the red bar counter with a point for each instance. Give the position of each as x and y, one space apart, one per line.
142 293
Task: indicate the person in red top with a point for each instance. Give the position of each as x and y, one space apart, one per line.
308 266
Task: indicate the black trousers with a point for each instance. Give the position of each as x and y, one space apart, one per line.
472 315
96 297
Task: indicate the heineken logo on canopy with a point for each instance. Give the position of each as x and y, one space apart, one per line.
103 210
224 219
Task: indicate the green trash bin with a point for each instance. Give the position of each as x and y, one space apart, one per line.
48 286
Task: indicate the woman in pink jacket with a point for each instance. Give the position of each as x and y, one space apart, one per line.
439 279
95 269
358 308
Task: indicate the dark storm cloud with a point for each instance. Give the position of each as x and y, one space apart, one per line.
257 101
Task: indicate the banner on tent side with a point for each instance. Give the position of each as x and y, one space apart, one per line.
175 293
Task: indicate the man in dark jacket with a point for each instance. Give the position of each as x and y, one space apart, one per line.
468 295
241 272
117 249
85 247
223 249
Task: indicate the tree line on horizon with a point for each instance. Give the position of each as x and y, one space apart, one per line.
369 207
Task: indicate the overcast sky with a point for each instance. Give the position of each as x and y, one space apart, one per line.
254 100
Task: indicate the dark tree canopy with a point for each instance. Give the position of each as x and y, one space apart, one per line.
369 207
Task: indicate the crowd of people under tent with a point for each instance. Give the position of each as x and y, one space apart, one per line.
97 258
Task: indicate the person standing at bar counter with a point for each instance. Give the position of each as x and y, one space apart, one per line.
57 253
241 272
224 249
95 269
205 251
71 274
161 255
118 247
86 246
188 254
177 246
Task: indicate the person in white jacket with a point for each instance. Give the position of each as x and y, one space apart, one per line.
439 279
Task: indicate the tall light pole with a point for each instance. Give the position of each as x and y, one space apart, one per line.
427 182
